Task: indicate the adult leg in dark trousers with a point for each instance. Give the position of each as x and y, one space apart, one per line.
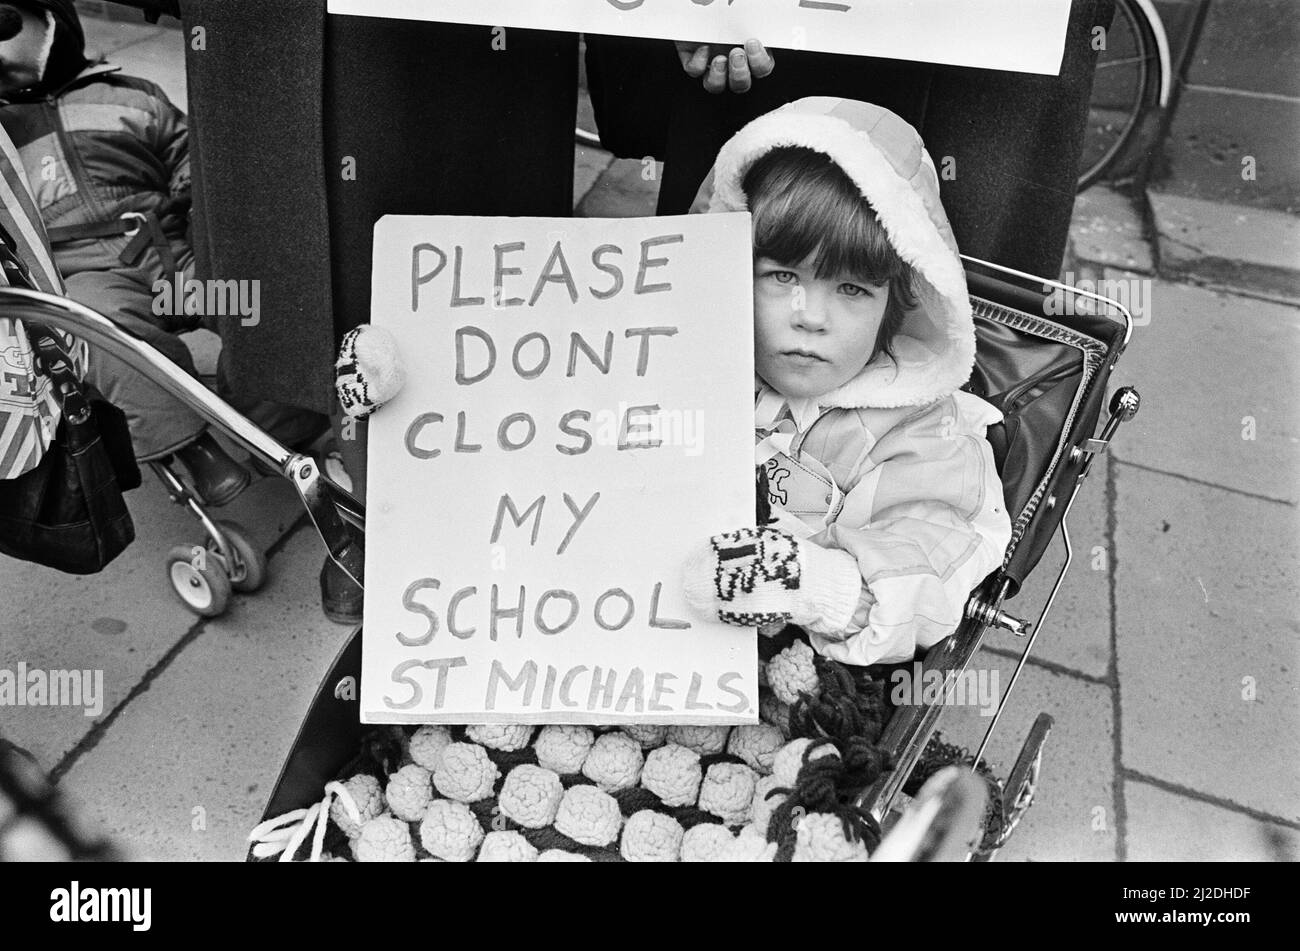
1014 141
291 426
460 120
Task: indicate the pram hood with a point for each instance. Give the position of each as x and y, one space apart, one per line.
67 57
934 351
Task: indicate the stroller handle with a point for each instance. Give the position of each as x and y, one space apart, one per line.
59 313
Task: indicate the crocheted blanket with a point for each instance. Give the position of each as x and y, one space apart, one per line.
782 790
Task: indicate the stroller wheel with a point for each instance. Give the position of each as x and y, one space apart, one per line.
1019 789
199 580
249 570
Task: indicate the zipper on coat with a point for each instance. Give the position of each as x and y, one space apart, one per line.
80 179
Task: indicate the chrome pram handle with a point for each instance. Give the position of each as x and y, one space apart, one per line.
60 313
328 504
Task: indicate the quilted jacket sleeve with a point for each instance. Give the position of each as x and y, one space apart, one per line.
171 143
925 523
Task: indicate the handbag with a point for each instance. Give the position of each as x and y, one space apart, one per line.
68 512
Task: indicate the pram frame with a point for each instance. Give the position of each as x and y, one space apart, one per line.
911 727
338 518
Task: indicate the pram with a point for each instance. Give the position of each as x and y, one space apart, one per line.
1045 355
204 576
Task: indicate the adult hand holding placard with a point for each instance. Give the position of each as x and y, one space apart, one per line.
721 70
577 414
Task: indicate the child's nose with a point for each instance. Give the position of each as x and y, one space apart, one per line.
808 310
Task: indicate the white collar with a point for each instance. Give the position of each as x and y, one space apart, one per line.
770 407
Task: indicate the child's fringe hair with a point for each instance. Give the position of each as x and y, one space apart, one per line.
805 205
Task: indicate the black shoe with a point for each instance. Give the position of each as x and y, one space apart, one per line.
217 478
340 597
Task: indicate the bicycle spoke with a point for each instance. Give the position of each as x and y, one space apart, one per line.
1125 62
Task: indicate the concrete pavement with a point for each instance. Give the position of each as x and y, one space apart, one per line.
1169 662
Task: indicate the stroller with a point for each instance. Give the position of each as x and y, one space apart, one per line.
1045 353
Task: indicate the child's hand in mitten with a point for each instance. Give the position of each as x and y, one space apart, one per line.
757 576
368 372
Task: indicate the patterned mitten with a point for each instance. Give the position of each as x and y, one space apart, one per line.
368 372
758 576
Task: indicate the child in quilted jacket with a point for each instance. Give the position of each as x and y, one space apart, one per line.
108 158
106 155
887 507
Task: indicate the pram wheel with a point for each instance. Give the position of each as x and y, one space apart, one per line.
247 569
1021 785
199 579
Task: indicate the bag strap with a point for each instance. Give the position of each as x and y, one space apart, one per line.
15 268
57 365
51 357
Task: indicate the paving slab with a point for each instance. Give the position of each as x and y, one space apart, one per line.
107 36
1233 146
1073 815
588 164
1206 640
1166 827
588 161
1190 228
1076 634
161 59
121 621
586 112
627 188
1220 388
1249 45
1107 229
204 744
1252 248
149 52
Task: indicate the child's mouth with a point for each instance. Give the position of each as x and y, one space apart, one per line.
803 358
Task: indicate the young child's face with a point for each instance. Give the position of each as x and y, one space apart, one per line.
20 55
812 334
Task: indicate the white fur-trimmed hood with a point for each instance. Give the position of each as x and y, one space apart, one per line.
935 349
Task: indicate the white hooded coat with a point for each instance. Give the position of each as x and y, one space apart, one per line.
892 468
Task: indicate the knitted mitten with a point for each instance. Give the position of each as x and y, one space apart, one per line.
368 372
759 576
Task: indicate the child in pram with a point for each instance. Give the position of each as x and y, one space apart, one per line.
887 504
888 511
888 507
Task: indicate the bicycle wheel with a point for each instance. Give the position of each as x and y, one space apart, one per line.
1125 88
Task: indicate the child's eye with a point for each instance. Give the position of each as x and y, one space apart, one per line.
784 277
854 290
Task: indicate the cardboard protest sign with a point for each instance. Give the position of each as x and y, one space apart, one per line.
577 419
1026 36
